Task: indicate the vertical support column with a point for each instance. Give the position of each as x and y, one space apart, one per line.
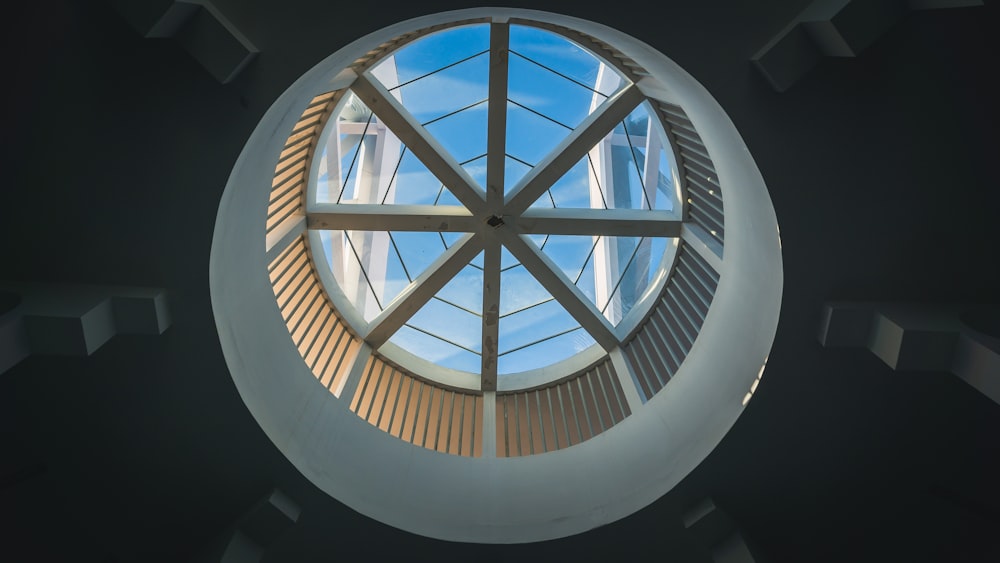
496 137
489 424
350 384
626 377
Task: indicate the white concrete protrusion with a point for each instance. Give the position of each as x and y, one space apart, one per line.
76 320
911 336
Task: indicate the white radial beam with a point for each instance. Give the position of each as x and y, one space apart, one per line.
491 312
496 138
418 293
608 222
371 217
552 279
572 149
421 143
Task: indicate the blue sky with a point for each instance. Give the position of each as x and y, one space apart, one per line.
543 106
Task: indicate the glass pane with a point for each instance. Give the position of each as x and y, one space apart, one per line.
548 93
514 170
348 272
636 279
466 83
435 350
533 325
417 250
553 350
477 169
450 238
449 323
414 184
519 290
579 188
621 164
620 272
570 253
465 290
563 56
462 134
435 51
507 259
531 136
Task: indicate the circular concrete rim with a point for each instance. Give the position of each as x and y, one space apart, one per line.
488 499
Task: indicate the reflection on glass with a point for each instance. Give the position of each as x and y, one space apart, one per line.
553 85
555 349
463 134
436 51
562 56
447 330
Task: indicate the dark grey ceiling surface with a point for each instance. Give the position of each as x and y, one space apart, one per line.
883 174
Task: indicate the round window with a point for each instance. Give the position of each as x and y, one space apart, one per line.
527 217
472 275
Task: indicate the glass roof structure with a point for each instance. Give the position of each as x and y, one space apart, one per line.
509 202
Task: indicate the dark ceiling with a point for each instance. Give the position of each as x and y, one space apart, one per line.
882 170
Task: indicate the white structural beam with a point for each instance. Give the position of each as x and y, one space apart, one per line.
707 246
286 232
608 222
421 143
491 313
496 136
418 293
568 295
371 217
572 149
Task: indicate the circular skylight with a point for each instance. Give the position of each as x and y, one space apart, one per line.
543 193
472 277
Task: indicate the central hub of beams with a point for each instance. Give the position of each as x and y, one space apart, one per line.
494 220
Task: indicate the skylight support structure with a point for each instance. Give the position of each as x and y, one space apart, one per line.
572 149
488 219
421 143
495 168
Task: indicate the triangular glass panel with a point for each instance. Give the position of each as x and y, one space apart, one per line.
554 349
519 290
571 253
463 134
436 350
351 267
565 57
416 250
637 277
614 172
619 271
447 330
579 188
557 97
466 84
362 161
531 136
514 170
507 259
476 168
433 52
531 319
